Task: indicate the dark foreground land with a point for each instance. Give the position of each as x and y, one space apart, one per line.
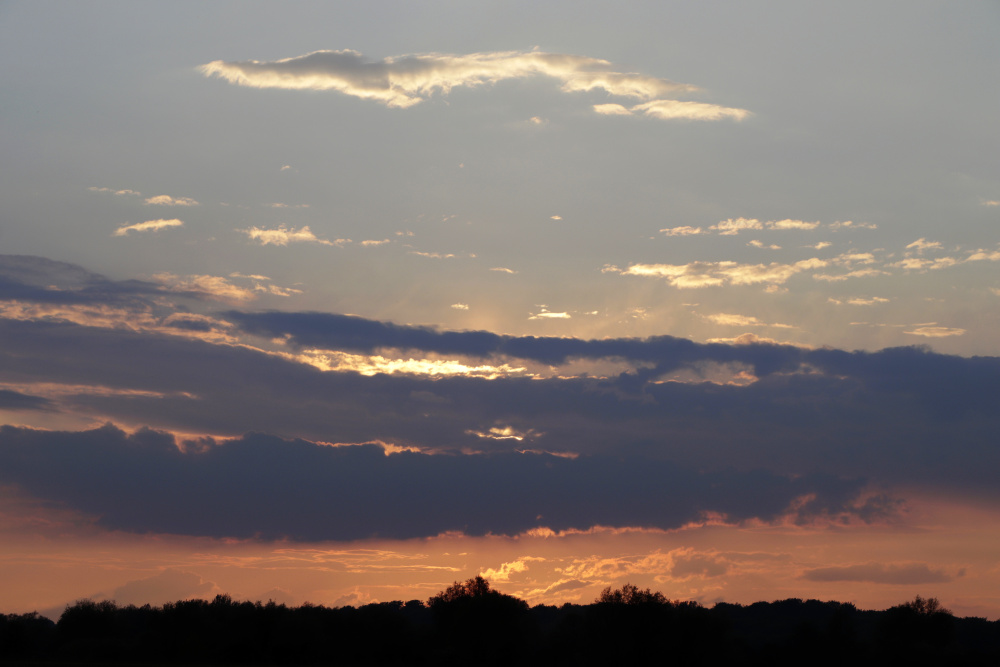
470 624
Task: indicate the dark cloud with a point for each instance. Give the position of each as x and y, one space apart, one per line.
45 281
357 334
902 417
878 573
853 417
265 487
14 400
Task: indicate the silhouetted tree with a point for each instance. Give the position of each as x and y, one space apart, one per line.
469 612
631 595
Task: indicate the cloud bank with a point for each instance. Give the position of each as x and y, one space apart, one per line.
850 431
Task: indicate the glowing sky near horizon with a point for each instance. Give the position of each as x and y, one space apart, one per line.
341 302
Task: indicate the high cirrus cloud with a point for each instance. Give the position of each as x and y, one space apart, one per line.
404 81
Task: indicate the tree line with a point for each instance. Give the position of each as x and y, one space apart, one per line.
470 623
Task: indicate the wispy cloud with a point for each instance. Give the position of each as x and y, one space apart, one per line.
167 200
404 81
859 301
734 226
681 231
674 110
544 314
460 306
283 235
922 244
935 332
731 320
878 573
148 226
503 269
119 193
612 110
213 287
712 274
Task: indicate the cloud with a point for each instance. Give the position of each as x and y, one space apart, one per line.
714 274
858 273
555 217
502 269
118 193
984 255
760 244
878 573
847 224
732 226
460 306
792 224
404 81
407 80
268 488
505 570
433 255
166 586
991 202
148 226
15 400
167 200
212 287
936 332
858 301
677 109
688 564
612 110
283 235
730 320
804 423
681 231
921 244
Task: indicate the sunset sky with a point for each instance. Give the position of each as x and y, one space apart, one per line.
341 302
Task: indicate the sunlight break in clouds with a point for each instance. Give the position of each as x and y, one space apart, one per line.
148 226
404 81
284 235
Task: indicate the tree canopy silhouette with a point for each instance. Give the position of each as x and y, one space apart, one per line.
630 594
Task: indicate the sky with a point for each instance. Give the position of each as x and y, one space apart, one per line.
343 302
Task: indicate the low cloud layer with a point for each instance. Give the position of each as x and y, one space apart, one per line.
877 573
404 81
264 487
854 430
